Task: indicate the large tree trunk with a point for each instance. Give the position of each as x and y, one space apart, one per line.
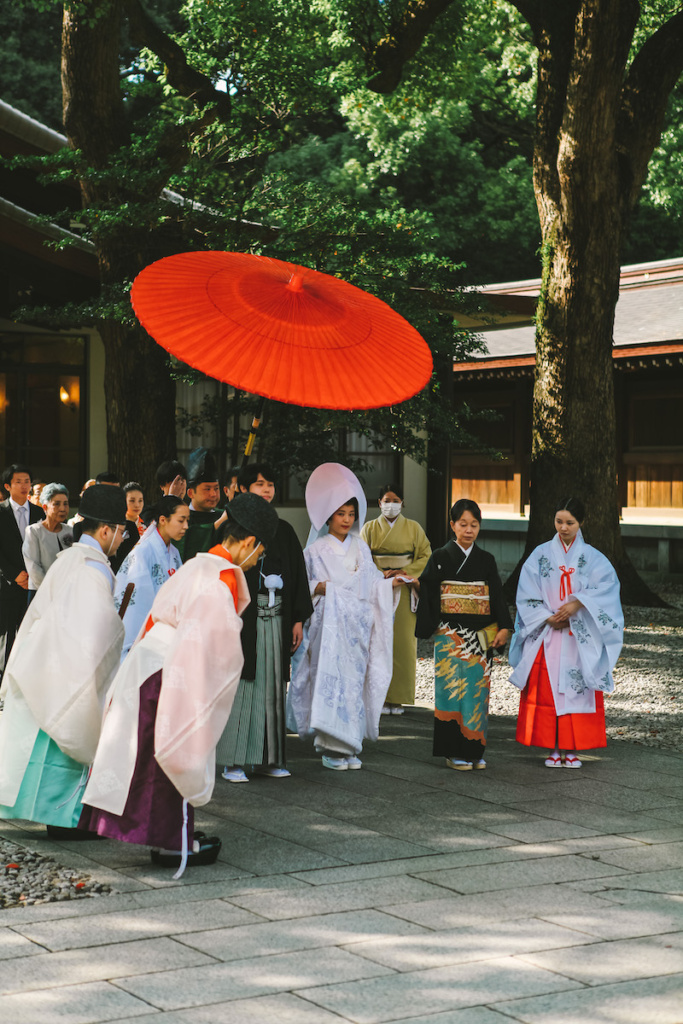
584 188
139 392
599 118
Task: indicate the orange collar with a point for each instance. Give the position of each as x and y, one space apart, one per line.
219 550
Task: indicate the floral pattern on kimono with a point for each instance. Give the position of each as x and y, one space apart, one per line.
580 660
343 668
149 565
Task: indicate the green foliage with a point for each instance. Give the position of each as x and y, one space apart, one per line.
29 61
656 230
452 144
409 196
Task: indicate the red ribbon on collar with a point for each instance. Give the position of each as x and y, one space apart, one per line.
565 582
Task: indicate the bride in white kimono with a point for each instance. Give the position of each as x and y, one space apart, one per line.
344 665
567 639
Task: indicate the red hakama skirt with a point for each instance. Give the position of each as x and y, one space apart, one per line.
538 724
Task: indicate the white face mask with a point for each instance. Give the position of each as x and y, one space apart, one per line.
250 555
111 542
390 509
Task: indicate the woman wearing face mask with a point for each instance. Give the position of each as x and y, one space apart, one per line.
153 560
461 600
568 636
399 548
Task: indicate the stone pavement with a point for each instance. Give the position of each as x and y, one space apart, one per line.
404 891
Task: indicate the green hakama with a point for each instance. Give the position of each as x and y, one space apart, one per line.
255 733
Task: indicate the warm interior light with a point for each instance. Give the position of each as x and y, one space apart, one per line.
63 395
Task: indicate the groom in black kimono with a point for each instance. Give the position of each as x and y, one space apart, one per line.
282 567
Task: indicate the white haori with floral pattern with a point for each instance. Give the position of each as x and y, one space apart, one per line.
344 665
579 660
149 565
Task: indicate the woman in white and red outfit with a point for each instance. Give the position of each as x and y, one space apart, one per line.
567 639
151 562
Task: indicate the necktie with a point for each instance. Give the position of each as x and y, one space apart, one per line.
23 520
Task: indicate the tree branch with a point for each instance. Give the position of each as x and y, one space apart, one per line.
531 12
651 78
185 79
402 41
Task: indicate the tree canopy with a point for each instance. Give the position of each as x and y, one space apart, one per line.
392 143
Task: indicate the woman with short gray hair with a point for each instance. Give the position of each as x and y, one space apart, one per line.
44 540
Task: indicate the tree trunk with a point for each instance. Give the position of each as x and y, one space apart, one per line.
139 392
583 202
600 110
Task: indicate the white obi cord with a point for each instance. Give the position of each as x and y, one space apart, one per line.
272 582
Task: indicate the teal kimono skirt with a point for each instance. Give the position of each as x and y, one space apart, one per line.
51 788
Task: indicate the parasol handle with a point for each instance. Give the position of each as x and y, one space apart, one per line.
125 601
255 424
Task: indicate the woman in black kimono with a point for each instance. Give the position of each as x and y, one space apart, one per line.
462 602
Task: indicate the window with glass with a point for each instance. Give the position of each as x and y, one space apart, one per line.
382 466
42 419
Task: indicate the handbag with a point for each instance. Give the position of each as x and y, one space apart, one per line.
487 635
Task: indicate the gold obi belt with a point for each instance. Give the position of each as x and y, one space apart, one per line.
465 598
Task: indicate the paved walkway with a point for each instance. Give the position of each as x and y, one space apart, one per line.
401 892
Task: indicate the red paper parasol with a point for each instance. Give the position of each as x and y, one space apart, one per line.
281 331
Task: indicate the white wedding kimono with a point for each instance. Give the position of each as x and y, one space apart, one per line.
580 659
195 641
344 666
149 565
63 660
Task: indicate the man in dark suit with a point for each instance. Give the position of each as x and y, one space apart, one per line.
16 513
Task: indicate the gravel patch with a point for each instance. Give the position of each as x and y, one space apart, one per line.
28 878
647 704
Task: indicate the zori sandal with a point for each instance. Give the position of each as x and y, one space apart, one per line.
205 851
571 761
554 761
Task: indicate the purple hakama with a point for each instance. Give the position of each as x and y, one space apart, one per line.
153 815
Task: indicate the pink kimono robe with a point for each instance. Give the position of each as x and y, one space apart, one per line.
167 708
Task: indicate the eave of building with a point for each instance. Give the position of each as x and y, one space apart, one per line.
648 324
33 235
626 358
514 302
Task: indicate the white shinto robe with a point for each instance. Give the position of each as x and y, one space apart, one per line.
149 565
579 660
343 672
195 641
62 663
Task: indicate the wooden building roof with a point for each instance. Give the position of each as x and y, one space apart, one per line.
648 326
32 270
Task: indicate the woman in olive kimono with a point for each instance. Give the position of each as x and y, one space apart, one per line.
399 548
461 596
